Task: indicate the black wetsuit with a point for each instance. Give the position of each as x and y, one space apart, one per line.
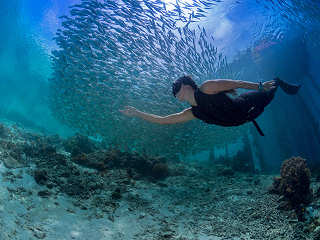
223 110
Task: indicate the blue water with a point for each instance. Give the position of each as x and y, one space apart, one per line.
255 41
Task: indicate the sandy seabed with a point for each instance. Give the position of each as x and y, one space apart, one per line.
195 203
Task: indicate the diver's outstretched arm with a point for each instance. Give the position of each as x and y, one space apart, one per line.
184 116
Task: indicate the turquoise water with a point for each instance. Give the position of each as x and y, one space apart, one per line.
73 73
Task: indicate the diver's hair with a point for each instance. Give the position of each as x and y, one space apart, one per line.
186 80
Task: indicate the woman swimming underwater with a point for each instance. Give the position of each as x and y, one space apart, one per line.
211 103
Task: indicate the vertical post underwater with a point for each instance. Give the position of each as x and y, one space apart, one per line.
254 153
211 155
227 155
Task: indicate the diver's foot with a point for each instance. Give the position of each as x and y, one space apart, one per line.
287 87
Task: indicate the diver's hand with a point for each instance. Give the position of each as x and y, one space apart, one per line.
269 85
129 111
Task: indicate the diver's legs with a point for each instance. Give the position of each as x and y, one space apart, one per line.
259 99
254 102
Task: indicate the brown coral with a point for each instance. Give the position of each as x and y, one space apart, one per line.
79 144
294 183
160 170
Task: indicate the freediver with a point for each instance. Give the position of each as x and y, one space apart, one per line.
213 102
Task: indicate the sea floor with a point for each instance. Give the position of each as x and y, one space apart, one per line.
195 203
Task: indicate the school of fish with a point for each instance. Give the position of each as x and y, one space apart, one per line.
114 53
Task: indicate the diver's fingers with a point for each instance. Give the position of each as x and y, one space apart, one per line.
128 110
124 110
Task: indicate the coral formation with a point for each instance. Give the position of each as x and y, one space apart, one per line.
96 160
105 180
139 166
40 176
79 144
293 184
64 173
116 194
57 171
160 170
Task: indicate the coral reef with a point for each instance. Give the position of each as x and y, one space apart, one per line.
96 160
137 166
79 144
160 170
82 173
98 183
56 171
293 185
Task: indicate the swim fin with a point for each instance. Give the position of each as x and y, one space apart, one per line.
287 87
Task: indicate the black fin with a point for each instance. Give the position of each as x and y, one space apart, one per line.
287 87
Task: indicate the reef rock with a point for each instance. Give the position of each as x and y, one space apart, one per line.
9 161
294 183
